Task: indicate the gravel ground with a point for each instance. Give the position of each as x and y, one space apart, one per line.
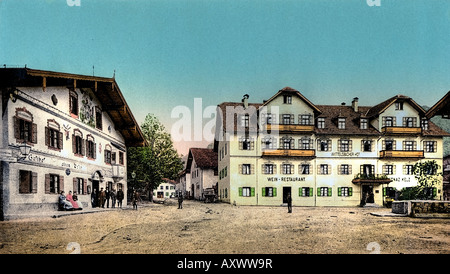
225 229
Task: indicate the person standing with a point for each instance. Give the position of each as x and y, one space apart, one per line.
289 202
135 199
113 198
94 199
180 200
107 196
120 197
101 198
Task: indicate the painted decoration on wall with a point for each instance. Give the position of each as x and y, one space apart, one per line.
87 114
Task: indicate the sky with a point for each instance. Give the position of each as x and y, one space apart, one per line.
168 53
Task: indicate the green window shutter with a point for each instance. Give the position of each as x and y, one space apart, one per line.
310 192
384 191
329 191
350 191
434 191
240 191
299 191
339 191
263 190
274 192
318 192
252 192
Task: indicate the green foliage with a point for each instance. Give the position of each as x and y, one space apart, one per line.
159 160
427 177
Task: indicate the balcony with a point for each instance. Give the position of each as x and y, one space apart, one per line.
401 130
290 153
290 128
118 171
387 154
371 179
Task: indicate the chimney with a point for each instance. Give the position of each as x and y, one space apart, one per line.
245 101
355 104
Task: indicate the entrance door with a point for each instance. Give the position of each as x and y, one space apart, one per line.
368 193
286 192
192 190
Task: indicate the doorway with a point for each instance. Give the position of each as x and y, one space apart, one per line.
286 192
367 194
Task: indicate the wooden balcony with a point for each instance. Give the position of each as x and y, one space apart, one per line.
371 179
290 128
401 154
290 153
401 130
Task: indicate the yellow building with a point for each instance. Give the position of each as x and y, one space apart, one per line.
322 155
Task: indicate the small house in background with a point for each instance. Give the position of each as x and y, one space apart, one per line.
165 190
446 187
202 167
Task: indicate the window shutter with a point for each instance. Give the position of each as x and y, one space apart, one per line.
240 168
339 191
350 169
84 186
75 184
318 192
95 150
329 169
34 182
47 140
24 181
252 169
34 134
16 128
60 140
292 119
61 183
384 191
83 147
74 144
47 183
434 191
299 191
274 169
329 191
263 190
263 169
339 169
252 192
274 192
240 191
350 191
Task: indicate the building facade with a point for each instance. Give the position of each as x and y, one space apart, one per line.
165 190
321 155
202 168
77 129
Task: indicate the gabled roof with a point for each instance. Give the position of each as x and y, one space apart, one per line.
440 108
205 158
289 90
105 89
381 107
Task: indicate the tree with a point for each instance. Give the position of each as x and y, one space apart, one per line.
427 180
154 162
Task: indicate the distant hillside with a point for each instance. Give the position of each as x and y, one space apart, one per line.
445 125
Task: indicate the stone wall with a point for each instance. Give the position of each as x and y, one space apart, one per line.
422 208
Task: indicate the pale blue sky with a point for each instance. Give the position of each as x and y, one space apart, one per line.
167 52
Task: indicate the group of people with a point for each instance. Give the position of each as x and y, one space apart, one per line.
103 196
69 201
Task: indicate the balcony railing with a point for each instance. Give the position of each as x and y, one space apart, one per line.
401 154
290 128
401 130
290 152
371 178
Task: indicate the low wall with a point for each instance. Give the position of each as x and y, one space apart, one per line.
422 208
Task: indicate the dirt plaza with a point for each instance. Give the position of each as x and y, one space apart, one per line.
220 228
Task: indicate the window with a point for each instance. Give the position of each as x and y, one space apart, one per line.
287 143
324 169
366 145
341 123
388 169
268 118
268 143
53 136
430 146
246 169
425 124
345 169
98 118
364 123
321 122
345 191
73 103
107 154
399 106
246 143
324 145
409 145
409 121
287 119
247 191
305 143
287 168
269 192
367 170
408 170
389 145
287 99
53 183
77 143
306 191
79 186
345 145
305 119
388 121
245 120
324 191
90 147
304 169
27 182
121 157
268 168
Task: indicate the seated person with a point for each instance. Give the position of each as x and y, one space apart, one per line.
63 204
76 202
